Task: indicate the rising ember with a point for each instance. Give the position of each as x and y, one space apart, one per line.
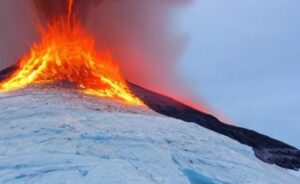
66 52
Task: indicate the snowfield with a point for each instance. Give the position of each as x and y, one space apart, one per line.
61 137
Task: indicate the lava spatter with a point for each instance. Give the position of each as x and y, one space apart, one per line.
67 52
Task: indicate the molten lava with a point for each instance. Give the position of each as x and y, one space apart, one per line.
66 53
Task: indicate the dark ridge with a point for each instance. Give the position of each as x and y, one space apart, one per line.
6 73
266 149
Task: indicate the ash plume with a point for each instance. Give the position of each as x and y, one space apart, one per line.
17 31
139 33
143 40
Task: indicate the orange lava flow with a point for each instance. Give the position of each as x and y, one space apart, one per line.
66 53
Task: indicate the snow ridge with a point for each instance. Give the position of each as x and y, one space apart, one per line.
58 136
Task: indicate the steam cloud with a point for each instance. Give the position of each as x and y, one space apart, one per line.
138 32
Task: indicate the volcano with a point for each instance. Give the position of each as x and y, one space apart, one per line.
69 116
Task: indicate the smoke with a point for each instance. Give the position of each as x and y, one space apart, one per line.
143 39
139 33
17 31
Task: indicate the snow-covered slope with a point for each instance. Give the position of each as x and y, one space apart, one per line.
59 136
265 148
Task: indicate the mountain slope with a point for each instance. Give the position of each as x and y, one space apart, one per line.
55 135
266 149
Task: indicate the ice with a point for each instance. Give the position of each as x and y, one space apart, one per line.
60 137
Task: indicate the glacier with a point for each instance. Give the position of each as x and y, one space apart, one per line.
59 136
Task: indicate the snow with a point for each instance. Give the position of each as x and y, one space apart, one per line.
61 137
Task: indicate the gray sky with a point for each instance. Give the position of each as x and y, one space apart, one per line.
243 59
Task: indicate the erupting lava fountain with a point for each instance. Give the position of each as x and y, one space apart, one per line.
67 115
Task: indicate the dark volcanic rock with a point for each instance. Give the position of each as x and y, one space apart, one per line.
4 74
266 149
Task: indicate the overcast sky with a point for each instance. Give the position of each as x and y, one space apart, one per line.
243 58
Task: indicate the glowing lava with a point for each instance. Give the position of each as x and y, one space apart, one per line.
66 53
